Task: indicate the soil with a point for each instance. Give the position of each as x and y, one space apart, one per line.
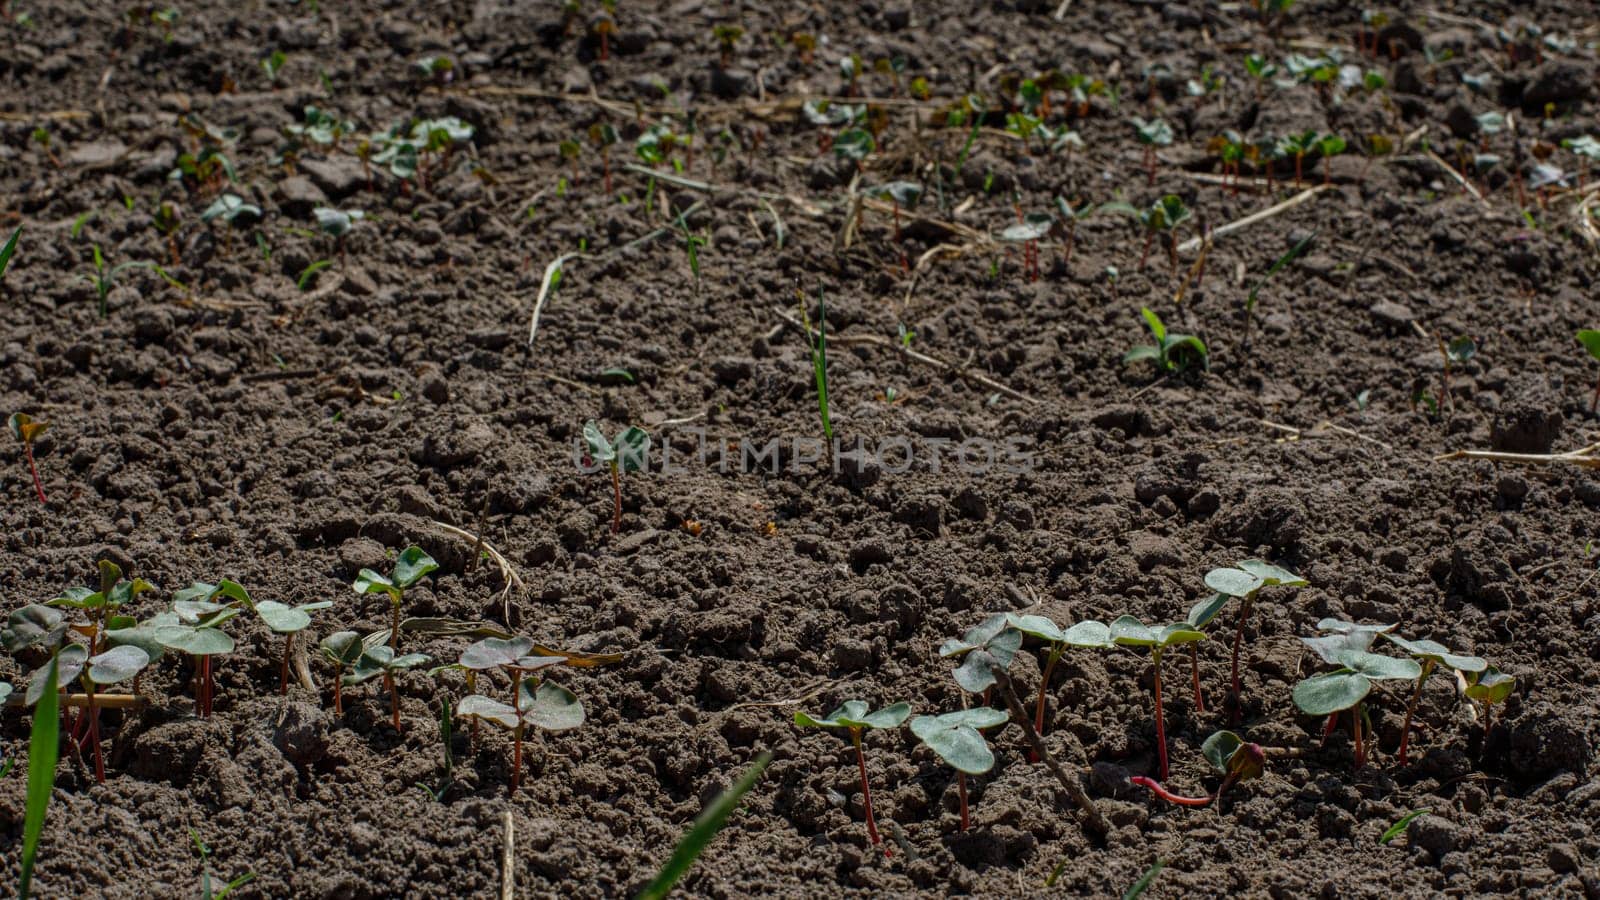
243 427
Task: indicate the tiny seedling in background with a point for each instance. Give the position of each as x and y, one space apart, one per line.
1291 255
604 137
539 704
1130 632
853 716
337 223
1071 215
1590 339
630 453
1244 581
410 567
1489 687
381 660
1455 353
1431 654
1171 352
104 277
343 649
1163 217
273 64
1152 134
819 359
26 430
956 738
205 872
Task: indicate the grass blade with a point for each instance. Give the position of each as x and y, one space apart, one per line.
1395 829
9 249
705 828
43 750
1145 880
819 365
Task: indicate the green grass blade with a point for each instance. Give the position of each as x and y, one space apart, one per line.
1145 880
819 365
705 828
1284 260
43 750
1400 826
9 249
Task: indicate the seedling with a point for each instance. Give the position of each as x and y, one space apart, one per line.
1232 758
41 136
691 247
517 655
1244 582
337 223
1071 216
1027 232
287 621
1250 301
901 195
1260 71
1331 693
26 430
956 738
603 26
819 359
854 144
194 626
1297 146
205 872
1152 134
1171 352
1456 353
542 705
1491 686
1092 634
630 453
1163 218
1590 339
381 660
853 715
320 127
1329 146
1431 654
994 642
727 36
44 749
273 64
603 137
343 649
410 567
570 150
1130 632
104 278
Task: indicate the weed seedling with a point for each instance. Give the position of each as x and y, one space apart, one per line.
955 737
1430 654
819 359
1331 693
410 567
540 704
1250 300
26 430
705 828
1244 582
853 716
104 278
1152 134
1171 352
1455 353
1491 686
205 872
381 660
273 64
44 749
343 649
726 36
630 453
1092 634
337 223
1130 632
1590 339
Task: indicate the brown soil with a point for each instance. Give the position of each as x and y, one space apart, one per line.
242 427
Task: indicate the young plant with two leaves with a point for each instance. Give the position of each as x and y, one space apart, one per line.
410 567
1346 688
1128 631
1243 581
630 452
534 701
1229 755
957 738
26 430
854 717
1431 655
382 660
1088 634
1171 352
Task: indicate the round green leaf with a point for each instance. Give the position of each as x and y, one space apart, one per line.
1380 667
1590 339
1492 686
492 653
1233 582
554 708
1088 633
477 706
370 582
1440 654
1201 614
411 566
956 740
1130 632
33 624
282 618
1219 748
194 641
977 636
1037 626
1322 695
1332 647
600 449
1178 633
69 663
117 664
341 648
1271 574
1340 626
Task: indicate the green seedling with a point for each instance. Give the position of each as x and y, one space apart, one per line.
1331 693
194 626
1231 757
1455 353
655 144
901 195
41 136
540 704
1163 217
990 644
104 278
232 209
204 171
9 250
44 749
691 247
1152 134
343 649
1130 632
1328 146
288 621
854 144
1590 339
819 358
408 146
1028 232
205 872
630 453
1430 654
853 716
516 655
1291 255
726 36
604 137
439 70
337 223
1171 352
381 660
604 27
1490 686
1587 149
850 68
705 828
410 567
1297 147
1071 216
1399 827
570 150
1244 581
273 64
26 430
955 737
1259 70
1090 634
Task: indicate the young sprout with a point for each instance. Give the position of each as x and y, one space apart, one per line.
540 704
337 223
1329 146
570 150
901 195
956 739
1244 581
1491 686
1071 216
1331 693
1260 70
1092 634
516 655
410 567
1027 232
104 277
1431 654
1590 339
854 144
1163 217
1229 755
853 715
992 642
380 660
287 621
603 137
26 430
1152 134
320 128
273 64
1456 353
1172 352
343 649
819 358
1130 632
603 26
195 627
630 453
727 36
1297 146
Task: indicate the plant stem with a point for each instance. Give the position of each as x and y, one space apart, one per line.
338 697
1411 708
1156 788
94 734
394 698
516 758
27 448
1355 733
1488 722
1236 694
1327 730
1094 821
961 787
1161 728
866 793
394 627
1194 669
616 492
283 674
1044 684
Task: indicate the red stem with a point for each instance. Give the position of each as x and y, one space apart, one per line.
394 698
1327 730
1194 668
394 626
616 491
516 758
866 793
1155 788
283 675
1355 733
1161 728
961 786
1044 684
27 448
1411 708
94 735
